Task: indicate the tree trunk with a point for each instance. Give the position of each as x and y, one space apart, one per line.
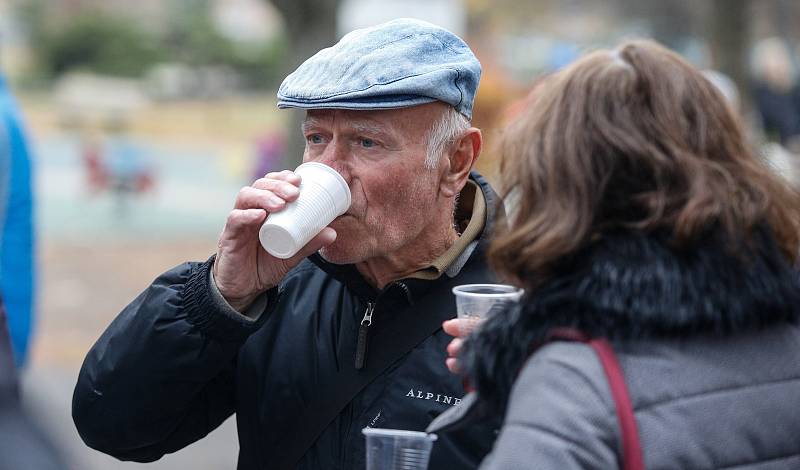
730 42
310 26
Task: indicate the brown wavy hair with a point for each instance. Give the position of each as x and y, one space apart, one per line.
631 139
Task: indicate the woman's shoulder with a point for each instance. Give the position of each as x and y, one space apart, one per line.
559 414
560 376
571 360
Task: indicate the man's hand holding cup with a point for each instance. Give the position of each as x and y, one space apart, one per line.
256 250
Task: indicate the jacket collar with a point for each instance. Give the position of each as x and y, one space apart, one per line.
406 290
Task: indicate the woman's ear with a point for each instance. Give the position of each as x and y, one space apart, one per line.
463 155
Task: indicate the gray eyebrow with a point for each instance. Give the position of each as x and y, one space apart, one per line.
359 126
308 122
368 128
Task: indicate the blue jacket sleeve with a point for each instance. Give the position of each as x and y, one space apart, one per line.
163 374
17 260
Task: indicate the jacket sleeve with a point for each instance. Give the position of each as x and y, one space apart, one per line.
163 374
17 241
560 415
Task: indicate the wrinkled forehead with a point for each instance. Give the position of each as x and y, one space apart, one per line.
345 118
396 121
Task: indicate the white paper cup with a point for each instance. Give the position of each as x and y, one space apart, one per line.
475 302
395 449
324 195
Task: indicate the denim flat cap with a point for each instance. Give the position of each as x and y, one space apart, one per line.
398 64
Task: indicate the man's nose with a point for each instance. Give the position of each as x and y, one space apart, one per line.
337 156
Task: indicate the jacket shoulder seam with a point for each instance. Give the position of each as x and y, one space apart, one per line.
716 391
759 461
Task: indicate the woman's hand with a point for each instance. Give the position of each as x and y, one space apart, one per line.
460 328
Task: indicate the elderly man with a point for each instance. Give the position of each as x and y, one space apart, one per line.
346 334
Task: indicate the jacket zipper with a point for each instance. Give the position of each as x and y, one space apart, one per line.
363 336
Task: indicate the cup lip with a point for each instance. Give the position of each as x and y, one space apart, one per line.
331 171
398 433
515 292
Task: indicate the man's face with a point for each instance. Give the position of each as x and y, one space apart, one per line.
381 155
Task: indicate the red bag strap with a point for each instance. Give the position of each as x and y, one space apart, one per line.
631 447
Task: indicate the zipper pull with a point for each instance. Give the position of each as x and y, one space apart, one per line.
363 335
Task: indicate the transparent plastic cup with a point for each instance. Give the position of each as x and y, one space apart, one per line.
475 302
395 449
324 195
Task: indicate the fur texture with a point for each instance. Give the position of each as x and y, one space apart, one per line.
635 286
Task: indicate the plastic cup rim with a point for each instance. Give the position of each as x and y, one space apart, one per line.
331 171
514 292
398 433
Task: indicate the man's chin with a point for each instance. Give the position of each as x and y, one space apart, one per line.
349 247
338 254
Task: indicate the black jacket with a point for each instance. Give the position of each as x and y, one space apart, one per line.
172 366
780 112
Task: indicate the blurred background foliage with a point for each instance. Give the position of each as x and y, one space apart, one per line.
104 42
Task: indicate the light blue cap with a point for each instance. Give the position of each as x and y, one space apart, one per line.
398 64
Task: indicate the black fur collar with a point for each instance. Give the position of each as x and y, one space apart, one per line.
633 286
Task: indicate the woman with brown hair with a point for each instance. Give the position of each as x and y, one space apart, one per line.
643 218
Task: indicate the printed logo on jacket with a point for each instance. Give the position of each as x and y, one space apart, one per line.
420 394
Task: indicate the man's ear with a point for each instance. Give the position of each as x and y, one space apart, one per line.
462 157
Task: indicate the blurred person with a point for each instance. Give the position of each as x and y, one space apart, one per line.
778 158
270 152
127 169
17 237
22 446
642 221
308 352
776 93
92 157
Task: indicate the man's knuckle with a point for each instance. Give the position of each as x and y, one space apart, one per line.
233 216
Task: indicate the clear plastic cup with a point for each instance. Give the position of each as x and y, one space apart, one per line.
474 302
395 449
324 195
